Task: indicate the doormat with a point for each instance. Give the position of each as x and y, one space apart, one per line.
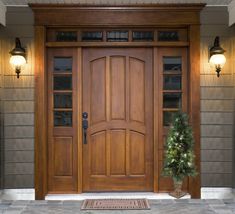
115 204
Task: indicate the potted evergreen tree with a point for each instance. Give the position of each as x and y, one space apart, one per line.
179 153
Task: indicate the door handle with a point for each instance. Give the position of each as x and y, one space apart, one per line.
84 126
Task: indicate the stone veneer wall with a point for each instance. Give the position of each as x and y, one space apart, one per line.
217 102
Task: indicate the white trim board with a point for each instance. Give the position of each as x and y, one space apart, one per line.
231 11
112 195
17 194
29 194
3 10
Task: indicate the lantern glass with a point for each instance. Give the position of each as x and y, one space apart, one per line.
218 59
17 60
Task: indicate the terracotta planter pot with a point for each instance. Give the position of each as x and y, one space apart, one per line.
177 193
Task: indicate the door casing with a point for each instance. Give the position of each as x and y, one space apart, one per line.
176 16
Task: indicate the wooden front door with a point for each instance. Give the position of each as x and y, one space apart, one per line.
118 97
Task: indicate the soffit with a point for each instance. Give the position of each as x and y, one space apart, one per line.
113 2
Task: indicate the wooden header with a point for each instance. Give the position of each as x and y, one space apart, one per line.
122 15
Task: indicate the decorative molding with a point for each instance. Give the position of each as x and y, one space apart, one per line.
3 11
231 11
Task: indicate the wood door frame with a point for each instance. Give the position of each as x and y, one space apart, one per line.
165 15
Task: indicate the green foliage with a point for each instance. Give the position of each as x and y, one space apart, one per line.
179 153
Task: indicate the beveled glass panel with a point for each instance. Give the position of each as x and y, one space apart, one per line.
172 100
62 82
63 118
172 82
117 36
92 36
172 63
63 64
168 117
66 36
63 100
142 35
168 36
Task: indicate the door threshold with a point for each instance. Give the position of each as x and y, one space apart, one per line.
112 195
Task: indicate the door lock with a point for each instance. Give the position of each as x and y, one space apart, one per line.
84 126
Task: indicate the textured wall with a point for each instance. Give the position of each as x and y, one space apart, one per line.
217 103
233 68
1 115
18 103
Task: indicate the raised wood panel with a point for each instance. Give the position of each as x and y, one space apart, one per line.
118 152
63 156
120 157
98 91
137 90
98 154
118 90
137 153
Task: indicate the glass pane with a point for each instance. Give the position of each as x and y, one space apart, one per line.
168 118
117 36
63 118
172 64
66 36
172 100
168 36
63 64
92 36
142 35
63 100
62 82
172 82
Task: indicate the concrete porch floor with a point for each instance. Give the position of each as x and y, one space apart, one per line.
166 206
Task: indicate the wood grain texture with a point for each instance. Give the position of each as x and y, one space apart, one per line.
194 105
119 153
113 114
40 115
62 140
128 16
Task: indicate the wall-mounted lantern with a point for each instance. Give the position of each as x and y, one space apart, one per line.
217 58
18 57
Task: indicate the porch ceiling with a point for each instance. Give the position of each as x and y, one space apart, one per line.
109 2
